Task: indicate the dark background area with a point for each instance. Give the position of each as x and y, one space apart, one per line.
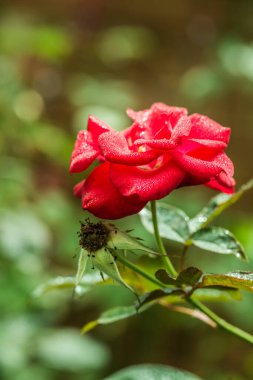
59 62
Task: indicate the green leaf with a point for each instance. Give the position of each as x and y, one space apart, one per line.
189 276
238 280
102 260
122 240
105 262
165 277
173 222
56 284
215 207
45 41
217 294
152 372
82 263
159 293
60 282
218 240
116 314
66 350
113 315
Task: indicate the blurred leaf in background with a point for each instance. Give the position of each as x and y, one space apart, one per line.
21 36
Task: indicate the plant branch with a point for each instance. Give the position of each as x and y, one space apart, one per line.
221 323
167 263
182 258
138 270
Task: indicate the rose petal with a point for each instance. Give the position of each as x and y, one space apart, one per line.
96 127
139 116
161 144
189 145
78 189
182 128
190 180
86 147
222 183
146 185
136 131
115 149
206 167
157 122
162 115
101 198
205 128
225 163
84 152
170 141
158 116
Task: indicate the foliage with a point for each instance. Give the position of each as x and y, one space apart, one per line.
152 372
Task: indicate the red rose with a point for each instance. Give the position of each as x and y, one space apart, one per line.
163 149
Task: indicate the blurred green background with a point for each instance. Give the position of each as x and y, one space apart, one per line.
60 61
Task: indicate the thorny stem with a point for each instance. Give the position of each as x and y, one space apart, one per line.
167 263
221 323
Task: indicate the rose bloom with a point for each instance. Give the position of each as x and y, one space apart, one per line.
162 150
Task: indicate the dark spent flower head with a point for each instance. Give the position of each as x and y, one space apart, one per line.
93 236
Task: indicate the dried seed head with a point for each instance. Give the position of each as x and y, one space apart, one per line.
93 236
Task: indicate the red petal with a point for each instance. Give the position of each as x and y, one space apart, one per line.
160 144
84 152
158 116
223 183
205 128
102 199
162 115
139 116
225 163
78 189
191 144
96 127
169 109
201 167
86 147
115 149
146 185
181 129
167 140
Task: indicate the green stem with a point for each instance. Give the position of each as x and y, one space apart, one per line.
136 269
224 325
221 323
193 302
183 255
167 263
